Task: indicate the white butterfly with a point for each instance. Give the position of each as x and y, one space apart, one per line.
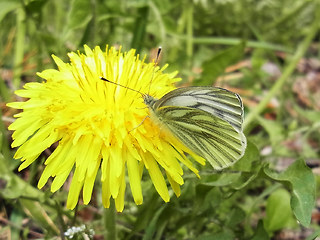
207 120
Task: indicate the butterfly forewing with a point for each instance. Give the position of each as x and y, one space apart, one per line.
207 120
216 101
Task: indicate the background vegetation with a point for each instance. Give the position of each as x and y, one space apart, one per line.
267 51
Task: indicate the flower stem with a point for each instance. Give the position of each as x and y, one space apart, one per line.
302 48
110 221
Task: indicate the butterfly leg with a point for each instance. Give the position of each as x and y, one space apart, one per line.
139 123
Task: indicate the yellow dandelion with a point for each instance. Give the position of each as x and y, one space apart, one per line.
99 125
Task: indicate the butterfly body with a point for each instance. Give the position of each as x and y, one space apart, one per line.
207 120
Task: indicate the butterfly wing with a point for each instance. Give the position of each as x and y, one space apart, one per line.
218 102
211 137
207 120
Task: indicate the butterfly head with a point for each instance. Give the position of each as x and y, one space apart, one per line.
149 101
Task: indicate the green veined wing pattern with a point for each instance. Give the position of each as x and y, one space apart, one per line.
217 101
206 120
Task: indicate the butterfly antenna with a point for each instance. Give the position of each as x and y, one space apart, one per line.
106 80
156 61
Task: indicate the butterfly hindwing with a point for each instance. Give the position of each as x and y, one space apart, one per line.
209 136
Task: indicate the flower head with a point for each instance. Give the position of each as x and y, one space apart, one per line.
99 125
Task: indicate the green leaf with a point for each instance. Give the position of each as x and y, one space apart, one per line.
140 28
6 155
146 213
303 187
152 226
311 115
249 160
206 198
13 187
212 199
241 174
314 236
216 66
16 218
260 233
80 14
235 217
249 165
245 179
274 129
8 6
278 212
38 213
35 6
220 180
218 236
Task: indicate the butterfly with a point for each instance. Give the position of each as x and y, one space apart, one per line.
206 120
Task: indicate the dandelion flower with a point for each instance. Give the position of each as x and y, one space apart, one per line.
99 125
